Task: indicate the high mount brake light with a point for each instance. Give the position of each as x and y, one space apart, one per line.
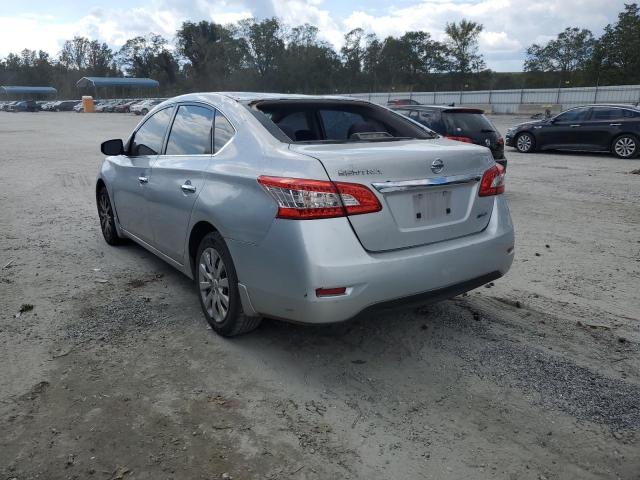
492 182
459 138
303 199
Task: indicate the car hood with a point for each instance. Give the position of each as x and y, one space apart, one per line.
528 124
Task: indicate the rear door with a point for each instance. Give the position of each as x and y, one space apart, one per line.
178 175
428 188
603 124
133 173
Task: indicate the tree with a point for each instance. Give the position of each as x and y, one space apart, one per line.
263 44
462 43
567 53
74 53
616 56
309 64
353 55
99 59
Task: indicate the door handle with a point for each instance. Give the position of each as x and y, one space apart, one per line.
187 187
615 124
143 180
574 126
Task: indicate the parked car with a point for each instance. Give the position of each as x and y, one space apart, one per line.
124 107
308 209
144 107
402 101
595 128
6 107
24 106
65 105
468 125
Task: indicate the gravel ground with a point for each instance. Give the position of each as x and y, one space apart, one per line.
108 369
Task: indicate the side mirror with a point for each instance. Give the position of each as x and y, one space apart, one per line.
112 147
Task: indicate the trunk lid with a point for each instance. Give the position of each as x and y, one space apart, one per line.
418 206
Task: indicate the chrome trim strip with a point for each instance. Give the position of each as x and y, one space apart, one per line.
386 187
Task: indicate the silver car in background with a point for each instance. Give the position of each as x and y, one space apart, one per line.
307 209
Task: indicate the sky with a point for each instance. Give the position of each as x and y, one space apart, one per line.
510 26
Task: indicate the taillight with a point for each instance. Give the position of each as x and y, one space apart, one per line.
492 182
459 138
501 141
311 199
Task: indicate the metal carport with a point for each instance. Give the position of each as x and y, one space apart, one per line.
116 83
27 90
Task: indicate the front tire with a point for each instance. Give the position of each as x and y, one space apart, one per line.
217 287
625 146
107 219
525 143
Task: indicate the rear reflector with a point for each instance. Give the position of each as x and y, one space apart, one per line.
459 138
330 292
492 182
312 199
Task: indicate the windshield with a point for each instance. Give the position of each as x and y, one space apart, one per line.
334 122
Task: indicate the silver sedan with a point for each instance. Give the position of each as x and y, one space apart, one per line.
307 209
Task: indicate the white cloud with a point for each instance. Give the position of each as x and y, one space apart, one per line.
509 25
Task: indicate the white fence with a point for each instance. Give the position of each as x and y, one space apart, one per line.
510 101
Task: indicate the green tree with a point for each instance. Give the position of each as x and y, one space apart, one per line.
264 46
567 53
462 43
616 56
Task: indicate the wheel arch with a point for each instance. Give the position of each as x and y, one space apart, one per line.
198 231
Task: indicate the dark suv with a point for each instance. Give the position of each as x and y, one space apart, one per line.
595 128
468 125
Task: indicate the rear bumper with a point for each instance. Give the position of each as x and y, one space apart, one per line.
279 276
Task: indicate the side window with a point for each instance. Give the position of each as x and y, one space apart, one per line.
575 115
191 132
224 132
603 113
630 113
148 139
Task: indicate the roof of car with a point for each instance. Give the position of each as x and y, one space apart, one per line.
260 96
444 108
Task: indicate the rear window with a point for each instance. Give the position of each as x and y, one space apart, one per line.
334 122
466 122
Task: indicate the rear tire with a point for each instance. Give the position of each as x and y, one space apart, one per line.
217 287
625 146
107 219
525 143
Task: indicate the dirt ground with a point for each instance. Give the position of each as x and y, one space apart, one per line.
113 374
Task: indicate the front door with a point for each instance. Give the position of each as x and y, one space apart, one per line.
134 173
566 130
178 176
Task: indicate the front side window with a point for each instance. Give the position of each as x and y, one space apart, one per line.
575 115
191 132
148 139
223 132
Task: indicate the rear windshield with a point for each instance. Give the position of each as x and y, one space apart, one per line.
334 122
463 122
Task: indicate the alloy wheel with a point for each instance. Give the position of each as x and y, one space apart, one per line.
214 284
524 143
106 215
625 147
